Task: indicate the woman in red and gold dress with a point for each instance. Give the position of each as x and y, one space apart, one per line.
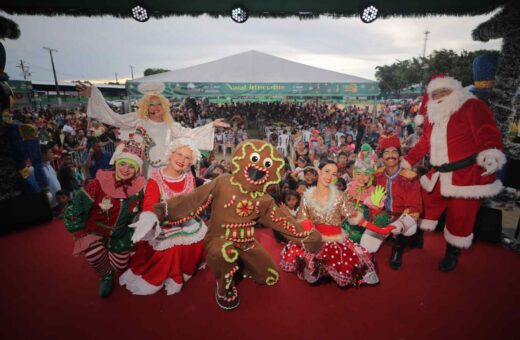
167 255
324 207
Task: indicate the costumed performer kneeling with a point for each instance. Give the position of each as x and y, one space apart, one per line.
99 214
169 254
324 207
238 202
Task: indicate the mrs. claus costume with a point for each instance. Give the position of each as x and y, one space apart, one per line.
465 149
168 255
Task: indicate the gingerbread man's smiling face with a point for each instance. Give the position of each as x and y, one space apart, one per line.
256 165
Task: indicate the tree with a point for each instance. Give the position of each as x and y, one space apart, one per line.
403 74
150 71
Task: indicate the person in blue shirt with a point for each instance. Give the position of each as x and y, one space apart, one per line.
97 158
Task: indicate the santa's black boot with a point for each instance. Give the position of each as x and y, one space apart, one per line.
396 259
417 240
449 262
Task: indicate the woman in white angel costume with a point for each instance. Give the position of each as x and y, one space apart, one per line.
154 116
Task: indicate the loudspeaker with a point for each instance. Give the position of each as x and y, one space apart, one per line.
24 210
488 225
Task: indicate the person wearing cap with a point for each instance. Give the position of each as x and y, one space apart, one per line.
154 115
403 196
368 226
466 150
100 213
169 254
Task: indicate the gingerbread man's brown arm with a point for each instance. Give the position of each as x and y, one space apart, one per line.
275 218
186 207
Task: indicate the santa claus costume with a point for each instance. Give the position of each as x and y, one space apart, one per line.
465 149
168 254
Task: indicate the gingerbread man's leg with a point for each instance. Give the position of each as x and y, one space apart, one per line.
222 258
259 265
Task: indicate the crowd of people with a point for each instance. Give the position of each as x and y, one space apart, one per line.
146 182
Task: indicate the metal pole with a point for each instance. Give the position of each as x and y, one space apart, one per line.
53 70
132 70
425 40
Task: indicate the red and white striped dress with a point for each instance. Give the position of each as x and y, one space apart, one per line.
174 253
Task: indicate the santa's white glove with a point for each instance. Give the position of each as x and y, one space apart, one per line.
492 160
147 221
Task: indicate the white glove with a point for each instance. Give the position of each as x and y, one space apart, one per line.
371 241
492 160
405 225
355 218
398 227
147 221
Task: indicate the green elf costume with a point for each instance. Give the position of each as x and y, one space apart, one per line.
368 199
99 214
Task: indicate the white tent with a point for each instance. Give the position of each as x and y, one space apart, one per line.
255 73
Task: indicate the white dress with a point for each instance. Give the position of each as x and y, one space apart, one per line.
162 133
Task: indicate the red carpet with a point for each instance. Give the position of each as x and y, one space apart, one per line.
46 293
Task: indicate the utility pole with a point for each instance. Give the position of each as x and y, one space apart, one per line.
425 40
132 70
25 70
117 82
53 69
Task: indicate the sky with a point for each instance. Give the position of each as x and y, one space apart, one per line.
96 48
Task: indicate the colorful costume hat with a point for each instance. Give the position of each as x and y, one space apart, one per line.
132 148
387 141
366 160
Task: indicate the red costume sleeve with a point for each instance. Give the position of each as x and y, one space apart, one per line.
422 147
413 200
483 126
152 195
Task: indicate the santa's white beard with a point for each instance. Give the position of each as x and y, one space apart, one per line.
441 109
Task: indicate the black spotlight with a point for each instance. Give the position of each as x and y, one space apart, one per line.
369 14
239 14
140 13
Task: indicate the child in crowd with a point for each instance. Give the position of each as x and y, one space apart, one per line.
62 198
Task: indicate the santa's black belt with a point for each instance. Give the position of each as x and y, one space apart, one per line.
463 163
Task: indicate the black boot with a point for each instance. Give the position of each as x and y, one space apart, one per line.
449 262
417 239
396 260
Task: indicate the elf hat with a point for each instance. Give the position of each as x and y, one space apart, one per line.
132 148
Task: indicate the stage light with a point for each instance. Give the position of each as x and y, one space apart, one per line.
369 14
239 14
140 13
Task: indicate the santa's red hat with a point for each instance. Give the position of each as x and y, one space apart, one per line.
438 81
387 141
442 81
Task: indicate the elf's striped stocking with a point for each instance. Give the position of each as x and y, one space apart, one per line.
97 258
119 261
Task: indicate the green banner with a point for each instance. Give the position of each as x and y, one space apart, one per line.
20 86
262 89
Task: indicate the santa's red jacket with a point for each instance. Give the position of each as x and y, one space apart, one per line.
471 130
